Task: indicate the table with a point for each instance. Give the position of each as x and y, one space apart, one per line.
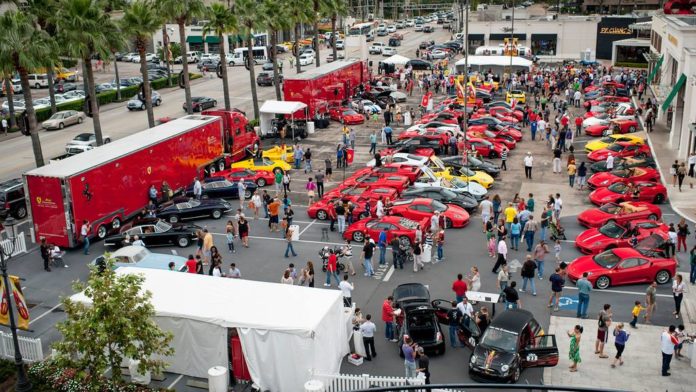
480 296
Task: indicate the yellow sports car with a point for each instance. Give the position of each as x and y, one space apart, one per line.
272 165
466 174
604 142
276 153
517 95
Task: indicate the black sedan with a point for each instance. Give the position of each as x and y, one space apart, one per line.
512 342
443 195
419 318
419 65
178 210
266 79
219 187
473 163
157 233
201 103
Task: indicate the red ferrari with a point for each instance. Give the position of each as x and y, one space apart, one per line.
391 180
500 116
484 147
346 116
633 174
619 150
422 208
500 138
428 133
368 192
652 192
320 209
605 98
501 129
506 112
260 177
446 117
603 85
412 172
620 213
613 235
615 126
397 226
623 266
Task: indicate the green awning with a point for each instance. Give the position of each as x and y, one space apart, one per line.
674 92
194 39
656 69
212 39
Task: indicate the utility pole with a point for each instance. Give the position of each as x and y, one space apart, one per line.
512 36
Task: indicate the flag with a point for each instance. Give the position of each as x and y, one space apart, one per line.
20 303
4 305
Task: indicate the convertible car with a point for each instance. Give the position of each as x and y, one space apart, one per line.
620 213
619 150
613 235
618 192
634 174
421 208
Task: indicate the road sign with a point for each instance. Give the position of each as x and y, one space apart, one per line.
568 303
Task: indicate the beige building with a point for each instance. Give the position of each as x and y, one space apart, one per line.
612 6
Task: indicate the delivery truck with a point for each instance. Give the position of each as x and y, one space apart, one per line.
108 185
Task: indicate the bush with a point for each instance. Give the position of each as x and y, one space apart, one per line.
68 63
631 65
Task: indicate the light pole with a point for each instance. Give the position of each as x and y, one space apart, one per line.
23 384
512 37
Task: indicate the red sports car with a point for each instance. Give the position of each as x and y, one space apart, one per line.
260 177
422 208
367 192
501 129
620 213
391 180
605 98
346 116
634 174
604 85
619 150
500 116
613 235
615 126
320 209
412 172
652 192
484 147
397 226
507 112
494 137
428 133
623 266
447 117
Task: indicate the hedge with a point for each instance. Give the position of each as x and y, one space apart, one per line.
631 65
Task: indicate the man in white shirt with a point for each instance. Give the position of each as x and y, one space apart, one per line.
234 272
347 291
197 189
379 209
610 162
435 222
241 188
576 98
557 206
486 210
528 164
368 329
465 308
667 342
138 242
502 255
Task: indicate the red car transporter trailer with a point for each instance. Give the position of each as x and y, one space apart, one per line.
109 184
330 83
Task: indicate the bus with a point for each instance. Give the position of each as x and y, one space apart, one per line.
362 28
238 57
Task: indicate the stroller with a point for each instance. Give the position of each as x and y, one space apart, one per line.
557 231
404 255
324 254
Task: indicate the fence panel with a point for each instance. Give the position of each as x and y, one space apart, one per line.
29 347
347 382
19 246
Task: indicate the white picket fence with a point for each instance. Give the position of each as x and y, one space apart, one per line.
19 246
351 382
29 347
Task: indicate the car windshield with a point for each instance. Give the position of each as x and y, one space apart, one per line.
448 194
607 259
501 339
611 230
57 116
83 137
194 203
610 208
465 171
141 255
162 226
615 148
350 112
438 206
607 140
618 187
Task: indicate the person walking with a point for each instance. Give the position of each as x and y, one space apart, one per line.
459 287
572 170
453 319
502 255
620 339
241 189
581 176
540 252
367 252
529 231
382 245
528 165
311 189
668 340
584 289
557 160
417 249
45 250
288 237
197 189
574 352
528 274
681 174
367 330
503 158
515 232
682 233
503 278
604 322
388 318
557 283
673 172
347 291
407 348
373 143
388 135
650 301
85 229
244 231
331 269
512 299
678 287
635 312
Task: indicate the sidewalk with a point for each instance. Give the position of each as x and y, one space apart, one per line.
642 360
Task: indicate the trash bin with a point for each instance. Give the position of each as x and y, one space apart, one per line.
314 386
310 127
295 232
136 376
217 379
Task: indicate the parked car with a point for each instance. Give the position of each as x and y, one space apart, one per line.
155 233
259 177
74 95
442 195
419 208
388 51
138 256
340 56
420 320
376 48
136 104
105 87
210 64
83 142
64 118
64 87
306 59
397 227
220 187
199 104
419 65
266 79
613 235
620 213
12 200
177 210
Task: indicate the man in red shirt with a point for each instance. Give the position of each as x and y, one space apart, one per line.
388 318
459 288
564 122
578 125
191 265
331 269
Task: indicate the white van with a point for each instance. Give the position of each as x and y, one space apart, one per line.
38 80
260 54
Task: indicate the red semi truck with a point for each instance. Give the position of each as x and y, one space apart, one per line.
330 83
109 185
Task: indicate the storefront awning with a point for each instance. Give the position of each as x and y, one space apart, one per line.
544 37
656 69
212 39
194 39
477 37
674 92
501 37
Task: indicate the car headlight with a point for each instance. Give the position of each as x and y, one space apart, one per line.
473 359
504 368
589 274
604 182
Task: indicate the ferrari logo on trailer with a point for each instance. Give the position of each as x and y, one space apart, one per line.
149 170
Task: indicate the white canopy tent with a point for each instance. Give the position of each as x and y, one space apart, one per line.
397 59
284 330
496 63
271 108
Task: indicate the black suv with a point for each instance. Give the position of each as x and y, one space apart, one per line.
12 199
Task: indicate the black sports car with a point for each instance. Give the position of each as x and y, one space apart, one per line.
201 103
156 233
468 332
503 104
491 121
419 65
443 195
219 187
473 163
419 318
624 163
178 210
512 342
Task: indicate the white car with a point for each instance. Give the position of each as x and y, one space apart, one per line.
18 105
367 105
604 119
340 44
74 95
398 96
306 59
191 58
388 51
84 142
210 56
442 128
410 23
391 29
419 27
129 57
404 159
438 54
45 102
377 47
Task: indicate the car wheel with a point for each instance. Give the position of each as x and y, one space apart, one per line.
652 217
158 102
603 282
214 104
101 232
173 219
261 182
659 198
183 242
142 106
79 120
322 215
448 223
358 236
216 214
405 241
493 155
247 194
20 212
61 126
116 223
515 375
662 277
107 140
631 129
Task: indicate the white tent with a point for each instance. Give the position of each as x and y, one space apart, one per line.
494 62
271 108
285 330
397 60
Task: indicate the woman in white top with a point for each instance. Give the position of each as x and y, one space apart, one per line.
678 287
287 279
475 279
257 202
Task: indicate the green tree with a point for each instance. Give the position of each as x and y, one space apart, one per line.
275 20
139 22
44 10
221 20
115 325
333 9
85 30
299 14
249 20
174 47
25 47
317 7
181 12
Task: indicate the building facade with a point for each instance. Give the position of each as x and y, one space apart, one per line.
610 6
196 41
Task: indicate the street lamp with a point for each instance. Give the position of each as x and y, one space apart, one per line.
23 384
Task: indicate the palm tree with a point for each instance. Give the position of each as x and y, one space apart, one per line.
139 22
318 5
333 9
221 20
182 11
249 20
24 46
275 20
298 13
83 30
44 10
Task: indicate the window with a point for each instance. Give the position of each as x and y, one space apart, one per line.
630 263
544 44
631 54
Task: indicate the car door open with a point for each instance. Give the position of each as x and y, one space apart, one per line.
541 352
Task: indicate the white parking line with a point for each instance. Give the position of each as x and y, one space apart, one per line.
176 381
620 292
308 226
389 274
44 314
283 239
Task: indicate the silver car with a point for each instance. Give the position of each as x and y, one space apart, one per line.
136 104
64 118
83 142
